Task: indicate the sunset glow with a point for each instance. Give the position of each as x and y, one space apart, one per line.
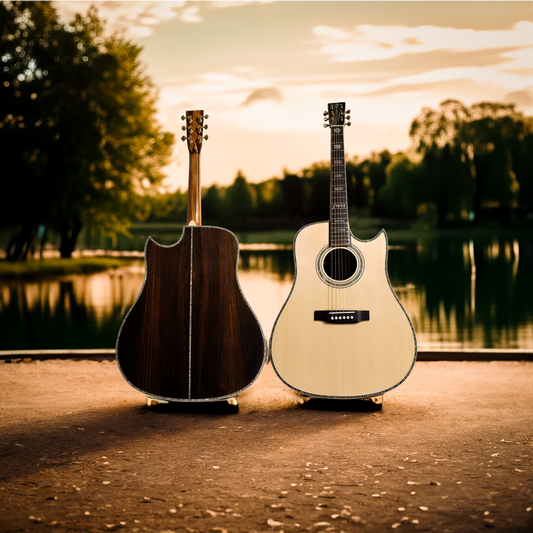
265 71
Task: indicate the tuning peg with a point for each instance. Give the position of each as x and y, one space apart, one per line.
347 117
348 111
206 116
183 138
325 113
205 126
326 125
348 123
325 119
183 117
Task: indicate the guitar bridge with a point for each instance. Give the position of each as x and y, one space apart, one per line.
342 317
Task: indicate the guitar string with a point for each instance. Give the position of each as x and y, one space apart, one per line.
339 233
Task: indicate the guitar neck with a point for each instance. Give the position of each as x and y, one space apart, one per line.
194 126
339 225
194 197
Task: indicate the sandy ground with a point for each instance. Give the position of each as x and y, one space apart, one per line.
451 451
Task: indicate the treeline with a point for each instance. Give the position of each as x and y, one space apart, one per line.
466 164
283 202
81 148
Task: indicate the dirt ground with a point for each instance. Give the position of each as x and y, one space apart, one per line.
450 451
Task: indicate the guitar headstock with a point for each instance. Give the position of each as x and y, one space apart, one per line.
335 115
194 126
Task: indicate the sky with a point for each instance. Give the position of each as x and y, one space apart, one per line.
265 71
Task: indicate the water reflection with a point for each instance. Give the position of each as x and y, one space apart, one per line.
82 311
458 293
468 294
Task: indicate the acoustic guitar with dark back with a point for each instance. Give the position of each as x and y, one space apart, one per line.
191 335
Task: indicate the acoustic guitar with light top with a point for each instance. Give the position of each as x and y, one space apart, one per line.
342 333
191 335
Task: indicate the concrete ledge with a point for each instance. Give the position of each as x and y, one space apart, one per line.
475 354
479 354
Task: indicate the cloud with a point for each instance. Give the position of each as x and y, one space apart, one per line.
223 4
369 43
191 14
419 87
465 63
267 93
523 99
138 17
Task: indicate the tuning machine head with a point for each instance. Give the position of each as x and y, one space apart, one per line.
326 119
202 126
194 128
347 117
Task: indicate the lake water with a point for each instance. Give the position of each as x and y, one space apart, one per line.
458 293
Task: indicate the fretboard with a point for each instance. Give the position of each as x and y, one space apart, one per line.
339 226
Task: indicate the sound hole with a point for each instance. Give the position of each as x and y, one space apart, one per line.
340 264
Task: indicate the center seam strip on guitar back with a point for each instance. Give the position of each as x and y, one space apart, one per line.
190 318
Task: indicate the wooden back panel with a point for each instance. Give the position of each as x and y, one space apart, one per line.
183 341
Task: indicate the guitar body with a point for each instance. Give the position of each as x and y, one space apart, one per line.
362 343
191 335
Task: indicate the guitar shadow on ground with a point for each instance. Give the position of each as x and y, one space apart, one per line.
196 407
352 405
225 408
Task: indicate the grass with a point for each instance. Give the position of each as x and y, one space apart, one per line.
266 237
394 234
60 267
365 229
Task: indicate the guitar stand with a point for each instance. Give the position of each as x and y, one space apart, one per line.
373 403
153 401
378 400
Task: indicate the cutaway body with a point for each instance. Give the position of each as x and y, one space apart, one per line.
191 334
361 342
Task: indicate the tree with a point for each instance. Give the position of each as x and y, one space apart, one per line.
239 198
77 127
269 198
375 171
294 196
522 161
445 182
402 193
483 137
318 178
358 185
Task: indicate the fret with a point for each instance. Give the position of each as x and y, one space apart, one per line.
339 227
